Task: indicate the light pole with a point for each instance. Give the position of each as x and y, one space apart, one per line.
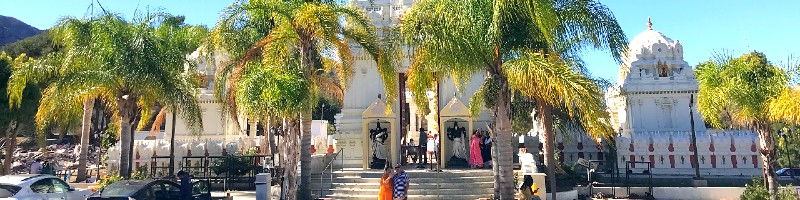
99 155
694 139
322 112
784 132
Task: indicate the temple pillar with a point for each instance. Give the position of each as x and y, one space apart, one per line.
252 134
365 146
394 145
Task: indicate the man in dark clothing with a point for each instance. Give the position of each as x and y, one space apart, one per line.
423 142
186 185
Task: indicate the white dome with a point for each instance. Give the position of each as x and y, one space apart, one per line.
647 38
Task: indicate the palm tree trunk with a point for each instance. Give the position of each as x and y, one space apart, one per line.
546 117
502 149
767 150
290 159
305 156
306 61
88 110
127 113
11 140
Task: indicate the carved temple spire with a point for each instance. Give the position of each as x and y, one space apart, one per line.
649 24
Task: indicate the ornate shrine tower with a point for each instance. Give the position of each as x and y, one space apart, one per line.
650 107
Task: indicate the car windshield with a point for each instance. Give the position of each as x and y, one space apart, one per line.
8 190
122 188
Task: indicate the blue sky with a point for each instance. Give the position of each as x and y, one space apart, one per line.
703 27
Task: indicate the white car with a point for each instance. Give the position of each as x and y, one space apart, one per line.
38 187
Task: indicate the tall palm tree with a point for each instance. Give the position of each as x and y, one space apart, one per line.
14 119
128 65
525 46
317 32
748 92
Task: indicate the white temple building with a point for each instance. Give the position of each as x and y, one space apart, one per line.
364 106
650 106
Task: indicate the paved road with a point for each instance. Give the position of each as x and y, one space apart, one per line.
237 195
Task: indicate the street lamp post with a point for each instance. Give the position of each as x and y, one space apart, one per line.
694 139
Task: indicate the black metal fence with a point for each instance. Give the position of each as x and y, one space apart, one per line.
231 172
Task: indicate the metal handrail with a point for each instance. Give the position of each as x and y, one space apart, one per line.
329 165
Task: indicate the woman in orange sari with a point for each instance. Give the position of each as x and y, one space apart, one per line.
386 184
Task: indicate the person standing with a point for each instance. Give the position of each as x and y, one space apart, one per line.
47 168
386 192
475 158
401 183
486 152
36 166
423 143
186 185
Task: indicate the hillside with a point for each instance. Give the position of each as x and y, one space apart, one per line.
12 30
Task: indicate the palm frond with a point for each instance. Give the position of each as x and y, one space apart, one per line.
546 78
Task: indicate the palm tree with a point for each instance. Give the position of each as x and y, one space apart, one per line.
314 32
526 46
14 120
129 66
748 92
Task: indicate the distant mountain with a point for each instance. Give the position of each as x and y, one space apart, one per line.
12 30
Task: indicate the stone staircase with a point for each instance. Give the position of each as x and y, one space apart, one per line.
448 184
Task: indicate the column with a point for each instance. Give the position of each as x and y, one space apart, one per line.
413 130
394 145
252 137
365 144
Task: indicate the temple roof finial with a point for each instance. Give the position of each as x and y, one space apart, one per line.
649 24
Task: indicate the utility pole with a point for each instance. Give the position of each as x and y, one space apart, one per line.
698 181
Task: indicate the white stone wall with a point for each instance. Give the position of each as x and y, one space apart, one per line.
671 154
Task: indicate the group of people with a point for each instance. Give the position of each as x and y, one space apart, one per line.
394 184
37 167
428 149
480 148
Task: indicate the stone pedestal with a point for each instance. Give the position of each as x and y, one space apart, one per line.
538 181
352 148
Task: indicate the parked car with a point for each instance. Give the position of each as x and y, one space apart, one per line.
788 172
38 186
160 189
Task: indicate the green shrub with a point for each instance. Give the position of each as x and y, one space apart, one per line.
141 173
108 180
757 191
233 165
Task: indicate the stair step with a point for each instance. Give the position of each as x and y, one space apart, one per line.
413 179
415 197
418 191
449 184
418 185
